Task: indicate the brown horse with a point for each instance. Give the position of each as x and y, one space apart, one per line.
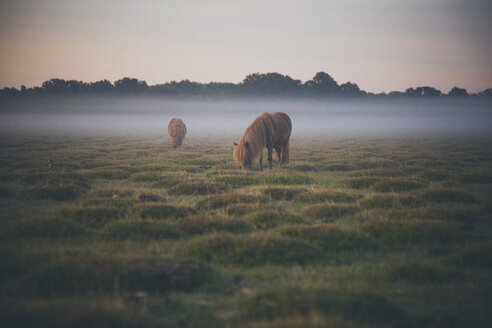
270 130
177 131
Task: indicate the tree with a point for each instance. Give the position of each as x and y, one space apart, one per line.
458 92
322 84
486 93
130 85
351 89
270 84
60 86
101 87
426 92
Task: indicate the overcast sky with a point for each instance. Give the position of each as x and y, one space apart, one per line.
381 45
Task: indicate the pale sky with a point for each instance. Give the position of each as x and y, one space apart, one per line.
382 45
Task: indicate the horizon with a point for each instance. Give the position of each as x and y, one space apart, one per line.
443 92
438 44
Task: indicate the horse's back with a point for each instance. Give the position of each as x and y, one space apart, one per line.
176 125
283 127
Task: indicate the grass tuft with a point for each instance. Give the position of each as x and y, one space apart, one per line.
223 200
237 181
197 188
163 211
291 179
475 177
360 183
475 256
326 196
328 236
205 224
140 230
413 231
398 185
92 217
379 201
252 250
330 212
276 302
58 192
282 193
449 196
42 228
266 219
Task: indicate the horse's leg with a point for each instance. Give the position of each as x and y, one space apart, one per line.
285 153
278 151
270 151
261 162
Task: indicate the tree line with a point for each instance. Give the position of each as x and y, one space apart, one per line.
256 84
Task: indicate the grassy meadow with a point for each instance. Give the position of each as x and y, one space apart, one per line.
123 231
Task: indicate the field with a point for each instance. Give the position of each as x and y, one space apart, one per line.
111 231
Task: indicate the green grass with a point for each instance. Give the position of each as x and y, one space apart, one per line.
280 193
328 236
141 230
330 212
359 307
413 232
252 250
120 231
266 219
320 196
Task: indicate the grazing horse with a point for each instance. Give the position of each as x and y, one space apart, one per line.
270 130
177 131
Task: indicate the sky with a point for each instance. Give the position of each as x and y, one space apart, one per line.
382 45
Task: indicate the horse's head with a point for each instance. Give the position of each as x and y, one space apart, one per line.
242 154
174 140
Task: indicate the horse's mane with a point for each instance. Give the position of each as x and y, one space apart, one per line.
256 135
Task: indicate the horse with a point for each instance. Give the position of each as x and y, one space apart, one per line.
177 131
270 130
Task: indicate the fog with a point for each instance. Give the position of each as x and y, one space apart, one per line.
230 117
